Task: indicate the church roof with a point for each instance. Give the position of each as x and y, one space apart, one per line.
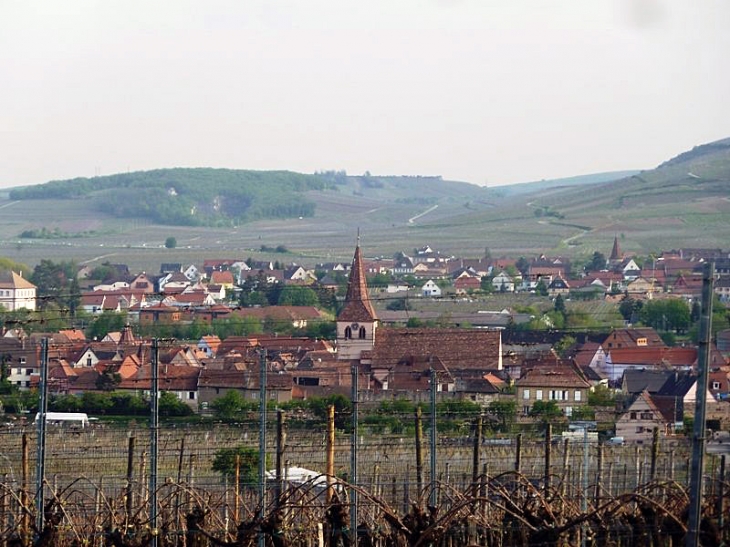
358 307
616 253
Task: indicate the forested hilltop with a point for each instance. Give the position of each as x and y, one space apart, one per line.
189 197
228 197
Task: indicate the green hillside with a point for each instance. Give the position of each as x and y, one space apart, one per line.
684 202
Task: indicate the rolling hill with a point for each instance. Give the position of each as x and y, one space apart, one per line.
685 202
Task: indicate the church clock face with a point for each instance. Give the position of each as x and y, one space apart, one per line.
355 326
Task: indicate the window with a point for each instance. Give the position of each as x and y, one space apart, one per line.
526 410
28 371
191 395
525 394
21 360
538 394
715 385
632 415
568 411
361 333
639 429
646 416
348 333
578 395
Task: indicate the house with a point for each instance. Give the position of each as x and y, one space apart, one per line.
642 286
180 380
172 283
503 282
223 278
463 285
637 423
722 288
213 383
298 275
619 360
558 286
561 384
430 288
142 284
16 292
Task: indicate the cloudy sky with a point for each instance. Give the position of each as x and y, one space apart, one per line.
486 91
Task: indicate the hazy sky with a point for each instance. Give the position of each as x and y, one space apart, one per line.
485 91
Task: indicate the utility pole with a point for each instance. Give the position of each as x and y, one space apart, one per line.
41 455
262 444
353 456
154 437
434 433
698 435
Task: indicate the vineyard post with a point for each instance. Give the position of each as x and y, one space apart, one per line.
180 460
191 480
698 435
130 477
721 496
41 454
475 454
154 436
4 505
566 468
354 475
599 476
654 453
330 452
548 449
419 453
280 447
434 436
25 472
518 453
236 489
262 444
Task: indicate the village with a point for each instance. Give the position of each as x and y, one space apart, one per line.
633 377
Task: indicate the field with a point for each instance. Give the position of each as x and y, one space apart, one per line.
682 204
508 492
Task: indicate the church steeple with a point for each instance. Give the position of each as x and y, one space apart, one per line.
616 251
357 321
357 307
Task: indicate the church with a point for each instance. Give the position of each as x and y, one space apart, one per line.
401 359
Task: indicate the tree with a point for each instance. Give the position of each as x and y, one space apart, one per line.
231 406
564 344
170 405
108 381
295 295
597 263
541 288
546 410
505 412
559 305
170 243
248 463
629 309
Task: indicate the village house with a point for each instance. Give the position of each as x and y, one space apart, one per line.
503 282
560 383
430 288
16 293
642 416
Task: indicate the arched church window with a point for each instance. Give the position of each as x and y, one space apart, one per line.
348 333
361 333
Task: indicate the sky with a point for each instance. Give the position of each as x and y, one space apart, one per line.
485 91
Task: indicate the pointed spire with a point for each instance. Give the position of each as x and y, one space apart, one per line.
357 307
616 251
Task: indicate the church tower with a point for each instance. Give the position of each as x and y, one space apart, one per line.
616 254
357 321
